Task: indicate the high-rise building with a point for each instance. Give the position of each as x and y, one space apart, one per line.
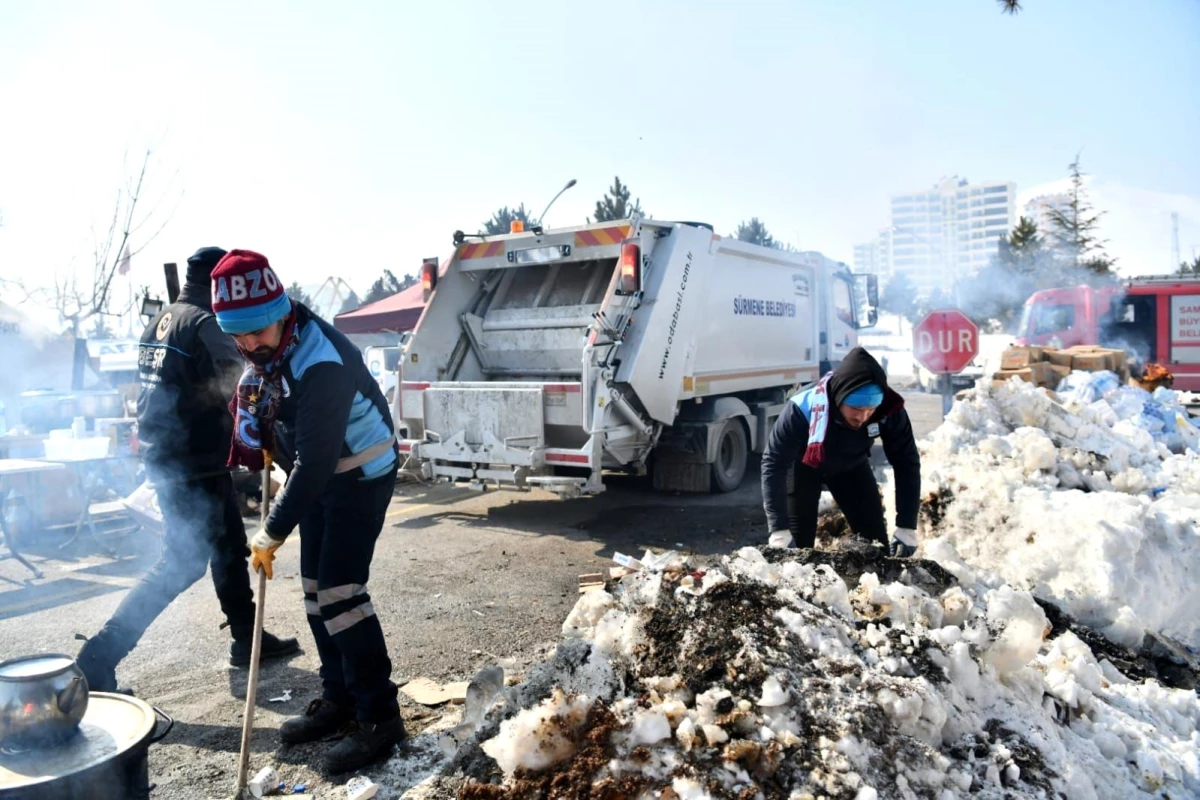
950 231
866 257
875 256
1039 208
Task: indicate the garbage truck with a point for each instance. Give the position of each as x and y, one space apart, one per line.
545 357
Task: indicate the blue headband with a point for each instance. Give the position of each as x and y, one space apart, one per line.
868 396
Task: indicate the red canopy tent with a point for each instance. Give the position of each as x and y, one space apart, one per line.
398 313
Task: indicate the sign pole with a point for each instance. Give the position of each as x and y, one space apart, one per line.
947 394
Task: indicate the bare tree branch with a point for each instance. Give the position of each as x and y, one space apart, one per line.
76 301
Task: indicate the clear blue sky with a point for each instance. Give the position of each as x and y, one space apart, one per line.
348 139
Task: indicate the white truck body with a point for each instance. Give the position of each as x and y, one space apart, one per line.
536 363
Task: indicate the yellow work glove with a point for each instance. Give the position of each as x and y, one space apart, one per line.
262 552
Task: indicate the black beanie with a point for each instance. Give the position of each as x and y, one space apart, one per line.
201 264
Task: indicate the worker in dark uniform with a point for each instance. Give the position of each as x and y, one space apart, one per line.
309 397
187 366
824 435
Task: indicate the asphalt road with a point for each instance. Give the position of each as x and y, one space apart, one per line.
459 581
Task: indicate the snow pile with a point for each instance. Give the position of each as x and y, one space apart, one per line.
1076 497
772 676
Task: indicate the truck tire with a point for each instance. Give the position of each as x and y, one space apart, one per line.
732 451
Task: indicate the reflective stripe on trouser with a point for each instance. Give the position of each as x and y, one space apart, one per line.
349 604
337 542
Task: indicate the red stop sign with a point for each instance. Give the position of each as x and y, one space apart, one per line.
945 341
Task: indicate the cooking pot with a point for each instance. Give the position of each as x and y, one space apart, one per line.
42 699
99 403
44 410
105 760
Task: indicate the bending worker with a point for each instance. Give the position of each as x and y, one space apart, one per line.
825 434
187 369
308 396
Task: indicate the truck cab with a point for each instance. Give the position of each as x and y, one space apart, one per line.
849 303
383 362
1157 320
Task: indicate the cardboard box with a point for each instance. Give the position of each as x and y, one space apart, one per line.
1094 361
1118 360
1058 373
1043 373
1039 373
1020 357
1059 358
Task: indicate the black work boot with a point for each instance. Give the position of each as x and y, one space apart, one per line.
98 659
321 719
365 743
272 646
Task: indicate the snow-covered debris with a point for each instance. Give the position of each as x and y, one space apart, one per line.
844 675
1090 496
542 736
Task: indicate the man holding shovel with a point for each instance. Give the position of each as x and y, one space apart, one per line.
309 396
187 368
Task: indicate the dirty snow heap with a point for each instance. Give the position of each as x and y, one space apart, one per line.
1089 496
798 674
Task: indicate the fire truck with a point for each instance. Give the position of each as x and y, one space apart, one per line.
1156 319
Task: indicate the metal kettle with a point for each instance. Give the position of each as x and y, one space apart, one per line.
42 699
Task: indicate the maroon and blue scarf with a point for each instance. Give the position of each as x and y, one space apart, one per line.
256 403
818 424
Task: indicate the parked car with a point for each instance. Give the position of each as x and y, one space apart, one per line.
928 382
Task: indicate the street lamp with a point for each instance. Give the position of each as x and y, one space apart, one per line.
542 218
151 307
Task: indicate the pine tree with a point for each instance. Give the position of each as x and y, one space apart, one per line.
1191 270
1026 258
755 232
501 221
615 204
387 285
1022 248
1074 230
350 303
297 293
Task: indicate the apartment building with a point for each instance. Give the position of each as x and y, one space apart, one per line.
948 232
1039 209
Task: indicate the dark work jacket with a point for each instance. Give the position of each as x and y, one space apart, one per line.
845 447
188 370
332 408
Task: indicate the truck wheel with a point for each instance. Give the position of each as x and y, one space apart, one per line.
732 450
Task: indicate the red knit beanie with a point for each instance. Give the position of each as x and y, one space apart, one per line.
247 295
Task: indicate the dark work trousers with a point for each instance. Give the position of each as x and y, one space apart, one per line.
202 525
337 542
856 493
